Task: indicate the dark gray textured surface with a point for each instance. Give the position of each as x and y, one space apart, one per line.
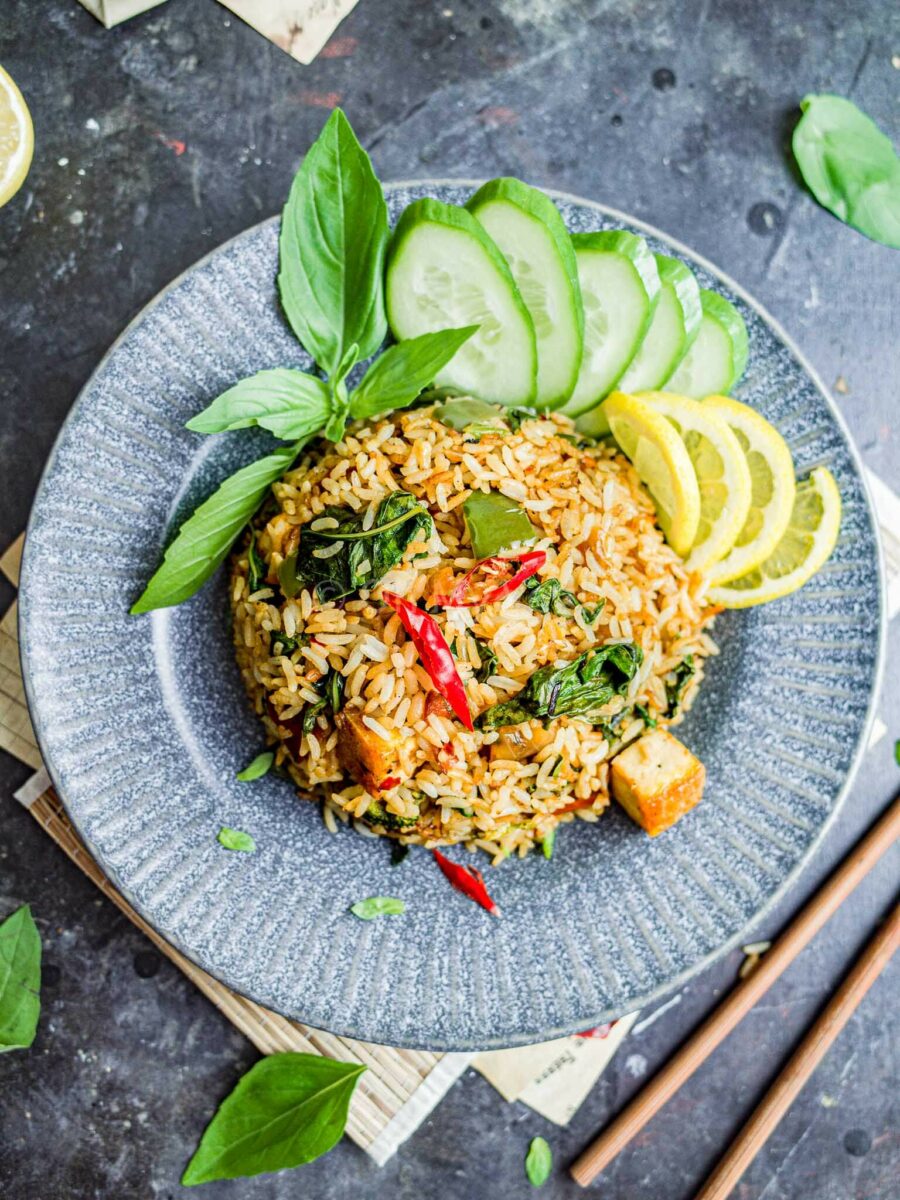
130 1060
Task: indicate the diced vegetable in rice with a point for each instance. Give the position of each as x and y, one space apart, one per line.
350 706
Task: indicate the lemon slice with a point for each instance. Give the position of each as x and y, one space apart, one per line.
772 483
663 464
723 476
16 138
804 548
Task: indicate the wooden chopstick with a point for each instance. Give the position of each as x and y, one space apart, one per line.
741 999
804 1061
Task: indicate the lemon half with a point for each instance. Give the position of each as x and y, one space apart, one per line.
773 488
723 476
806 545
661 460
16 138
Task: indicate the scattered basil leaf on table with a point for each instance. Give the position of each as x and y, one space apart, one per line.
548 843
291 404
20 980
236 839
207 535
398 375
260 766
334 233
897 752
288 1109
378 906
399 853
579 688
496 523
363 556
850 166
538 1162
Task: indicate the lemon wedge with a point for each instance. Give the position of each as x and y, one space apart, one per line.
661 460
16 138
772 484
723 477
806 545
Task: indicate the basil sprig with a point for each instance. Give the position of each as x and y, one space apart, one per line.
334 233
20 980
288 1109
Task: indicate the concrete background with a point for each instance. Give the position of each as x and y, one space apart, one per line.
676 112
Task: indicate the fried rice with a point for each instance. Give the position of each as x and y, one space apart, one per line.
502 790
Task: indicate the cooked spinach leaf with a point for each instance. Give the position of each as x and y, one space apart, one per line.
280 643
334 688
310 713
378 814
256 568
489 662
495 523
548 595
641 710
580 688
675 690
354 557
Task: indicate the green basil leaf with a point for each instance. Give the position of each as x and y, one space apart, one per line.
365 555
398 375
334 233
236 839
538 1162
489 664
641 710
582 687
259 767
290 404
548 843
256 568
207 535
496 523
548 595
850 166
288 1109
461 413
378 906
20 980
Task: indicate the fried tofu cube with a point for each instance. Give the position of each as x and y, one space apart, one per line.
657 780
365 756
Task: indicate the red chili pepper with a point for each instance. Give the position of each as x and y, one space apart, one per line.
391 781
467 880
599 1031
529 564
434 652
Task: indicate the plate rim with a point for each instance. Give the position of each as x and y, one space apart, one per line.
672 984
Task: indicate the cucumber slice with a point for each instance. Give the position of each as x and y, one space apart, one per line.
716 361
443 269
675 325
619 288
532 236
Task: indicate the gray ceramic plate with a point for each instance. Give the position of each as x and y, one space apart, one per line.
143 722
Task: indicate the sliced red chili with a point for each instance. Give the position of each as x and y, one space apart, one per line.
467 593
434 652
467 880
391 781
599 1031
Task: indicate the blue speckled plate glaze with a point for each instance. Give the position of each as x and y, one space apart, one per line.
143 721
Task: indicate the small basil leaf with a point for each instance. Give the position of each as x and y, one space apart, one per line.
236 839
489 664
288 1109
378 906
496 523
340 406
463 412
280 643
397 376
850 166
207 535
674 690
20 980
548 843
290 404
538 1162
334 233
641 710
259 767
